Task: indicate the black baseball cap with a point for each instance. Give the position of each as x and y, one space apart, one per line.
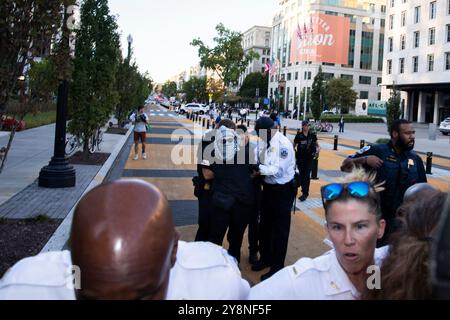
305 123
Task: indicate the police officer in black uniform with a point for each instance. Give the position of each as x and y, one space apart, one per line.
202 187
395 163
307 147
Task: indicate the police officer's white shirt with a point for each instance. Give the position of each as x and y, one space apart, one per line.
321 278
203 271
279 161
47 276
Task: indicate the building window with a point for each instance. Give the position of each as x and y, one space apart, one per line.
296 76
372 7
415 64
448 30
403 20
379 79
389 66
382 23
383 8
392 3
432 10
364 94
391 44
416 39
347 76
391 22
448 6
402 42
447 61
289 75
431 36
263 60
401 62
381 52
307 75
271 79
328 75
365 80
366 50
430 59
417 14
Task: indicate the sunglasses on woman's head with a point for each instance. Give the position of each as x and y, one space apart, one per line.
358 189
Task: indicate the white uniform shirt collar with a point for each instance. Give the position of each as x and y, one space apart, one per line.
337 281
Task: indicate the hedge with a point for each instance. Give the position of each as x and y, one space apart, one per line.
351 119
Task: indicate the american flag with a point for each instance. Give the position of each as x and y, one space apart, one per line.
274 67
267 67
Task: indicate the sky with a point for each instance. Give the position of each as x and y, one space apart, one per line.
163 29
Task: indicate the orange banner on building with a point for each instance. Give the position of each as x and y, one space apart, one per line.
324 38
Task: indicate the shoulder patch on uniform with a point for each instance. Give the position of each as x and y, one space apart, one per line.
363 150
284 152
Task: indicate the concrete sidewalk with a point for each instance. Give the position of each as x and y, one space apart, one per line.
30 151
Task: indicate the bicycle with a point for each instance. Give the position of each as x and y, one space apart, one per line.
95 140
72 144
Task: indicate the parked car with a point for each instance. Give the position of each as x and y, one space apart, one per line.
194 107
445 126
325 112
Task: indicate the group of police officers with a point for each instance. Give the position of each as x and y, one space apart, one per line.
272 167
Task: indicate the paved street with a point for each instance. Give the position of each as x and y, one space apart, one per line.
175 180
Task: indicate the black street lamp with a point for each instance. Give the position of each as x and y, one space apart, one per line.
59 174
130 42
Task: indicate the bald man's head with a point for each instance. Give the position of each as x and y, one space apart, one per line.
124 241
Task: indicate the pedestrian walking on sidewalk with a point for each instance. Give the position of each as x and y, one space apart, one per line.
140 120
341 124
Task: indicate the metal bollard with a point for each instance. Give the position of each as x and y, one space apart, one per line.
208 125
204 122
242 121
315 169
336 141
362 144
248 123
284 131
429 162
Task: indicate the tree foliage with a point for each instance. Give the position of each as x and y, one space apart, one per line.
169 89
216 88
133 88
253 81
27 28
340 95
227 58
195 89
318 94
393 111
93 94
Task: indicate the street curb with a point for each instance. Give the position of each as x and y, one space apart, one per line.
59 239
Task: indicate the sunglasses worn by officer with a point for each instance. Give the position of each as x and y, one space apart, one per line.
357 189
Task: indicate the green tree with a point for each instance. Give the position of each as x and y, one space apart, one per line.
340 95
169 89
93 92
227 59
216 88
253 81
393 108
28 28
318 94
195 89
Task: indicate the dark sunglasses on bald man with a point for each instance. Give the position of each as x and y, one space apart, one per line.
357 189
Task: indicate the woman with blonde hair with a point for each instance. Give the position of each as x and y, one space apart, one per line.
354 224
